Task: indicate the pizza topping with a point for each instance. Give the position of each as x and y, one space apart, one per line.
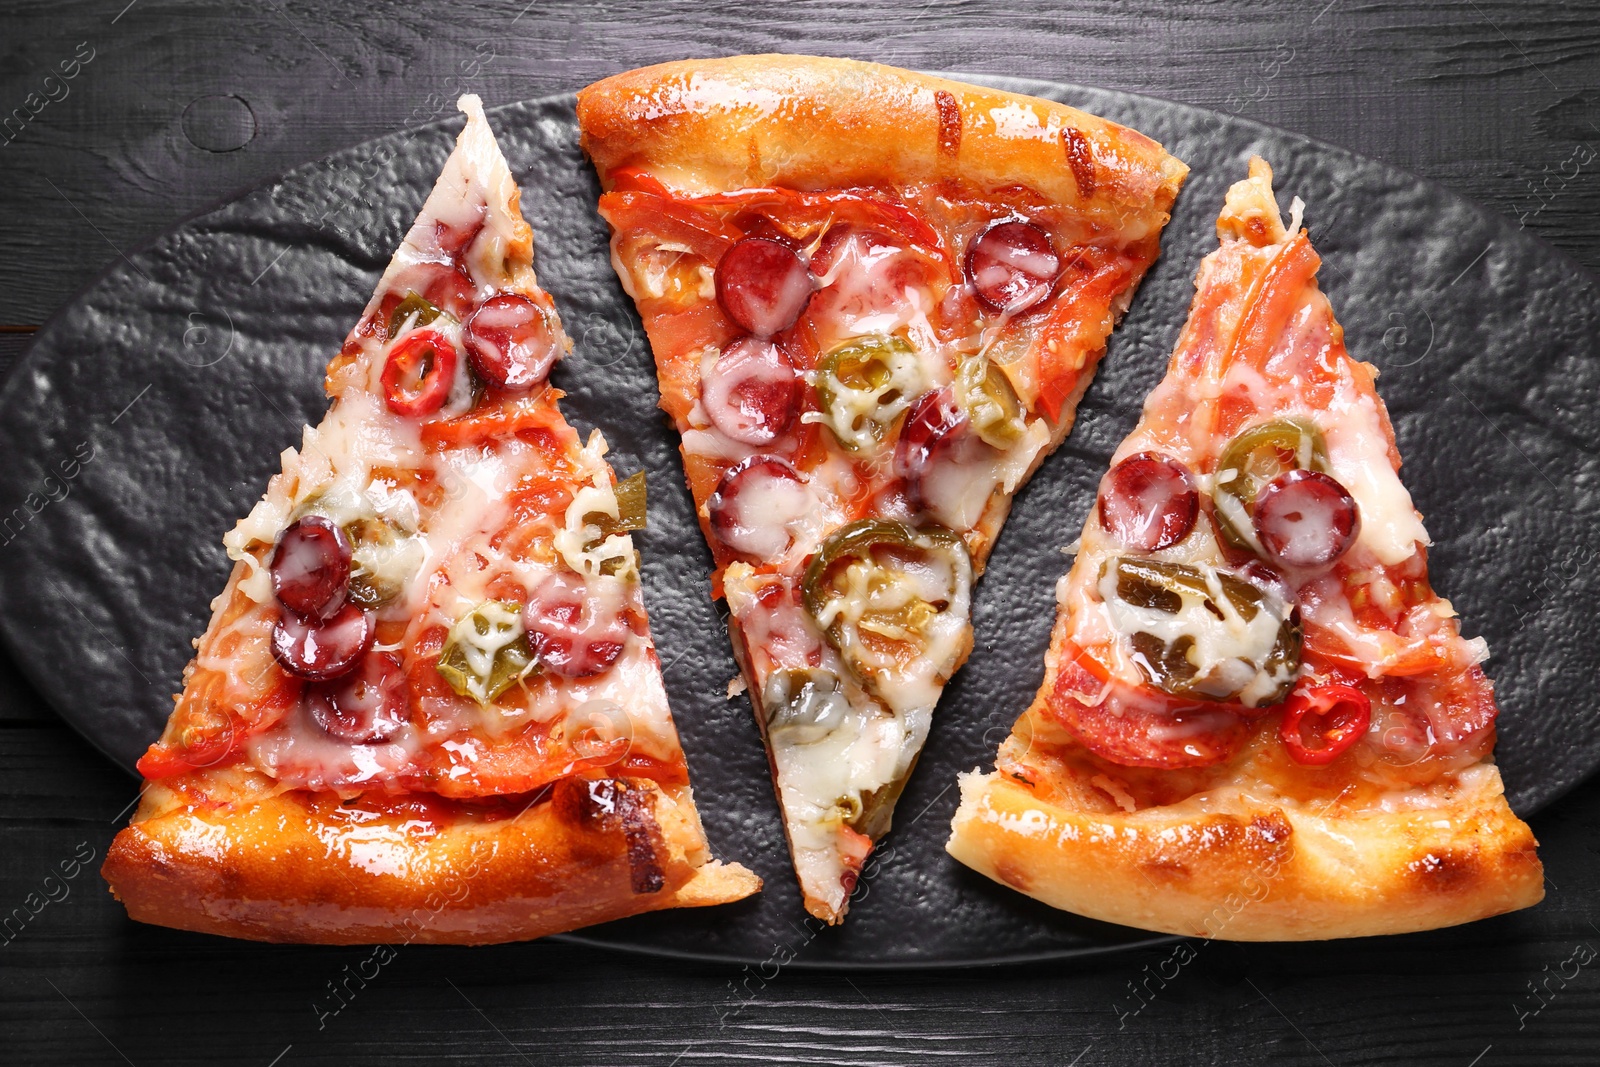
1148 502
383 560
1251 460
895 602
578 628
756 506
486 652
935 427
991 405
1136 726
594 540
1306 519
419 373
310 567
318 651
942 458
1011 266
1321 722
367 707
863 386
511 342
752 393
803 705
951 472
763 285
1203 633
870 284
632 511
414 311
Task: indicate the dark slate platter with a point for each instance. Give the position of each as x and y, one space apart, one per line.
149 413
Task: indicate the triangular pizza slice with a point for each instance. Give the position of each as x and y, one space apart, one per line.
874 298
1258 720
427 707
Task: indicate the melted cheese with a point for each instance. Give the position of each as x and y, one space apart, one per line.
957 493
1225 649
448 549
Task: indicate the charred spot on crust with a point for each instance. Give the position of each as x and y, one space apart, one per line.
613 805
1080 157
1164 869
1443 871
1011 876
1272 827
643 835
949 121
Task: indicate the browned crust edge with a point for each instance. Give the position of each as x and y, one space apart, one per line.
1257 872
282 870
810 122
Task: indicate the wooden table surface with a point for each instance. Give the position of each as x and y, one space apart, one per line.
170 106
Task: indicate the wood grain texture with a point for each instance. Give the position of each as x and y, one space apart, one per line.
1490 97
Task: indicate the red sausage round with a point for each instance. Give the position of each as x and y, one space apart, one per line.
753 505
367 707
572 633
318 652
763 285
1148 502
752 393
511 342
1304 518
1011 266
310 568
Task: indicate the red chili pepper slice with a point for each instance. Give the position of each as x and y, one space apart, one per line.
419 373
1335 715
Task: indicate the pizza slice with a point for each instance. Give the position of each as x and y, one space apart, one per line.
427 707
1258 720
874 299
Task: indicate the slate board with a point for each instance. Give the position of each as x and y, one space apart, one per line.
184 369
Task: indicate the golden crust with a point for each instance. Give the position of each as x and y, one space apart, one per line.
1257 871
807 122
297 868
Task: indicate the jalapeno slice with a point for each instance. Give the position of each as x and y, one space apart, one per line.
874 811
1251 460
985 394
895 602
415 307
803 706
862 387
1202 633
486 652
382 560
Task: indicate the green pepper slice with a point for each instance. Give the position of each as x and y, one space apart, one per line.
414 304
1253 459
862 387
486 652
871 608
1177 588
630 493
991 405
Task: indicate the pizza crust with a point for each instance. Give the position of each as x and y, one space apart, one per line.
285 869
1257 871
806 122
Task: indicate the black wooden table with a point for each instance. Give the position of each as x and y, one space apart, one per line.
117 118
